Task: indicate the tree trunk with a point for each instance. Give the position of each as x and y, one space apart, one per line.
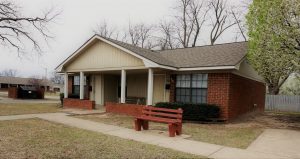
273 90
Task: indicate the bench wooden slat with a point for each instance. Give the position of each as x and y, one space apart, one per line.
179 111
170 116
158 119
153 113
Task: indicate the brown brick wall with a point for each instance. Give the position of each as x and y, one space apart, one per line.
234 94
218 91
77 103
13 92
3 89
125 109
41 93
172 88
246 95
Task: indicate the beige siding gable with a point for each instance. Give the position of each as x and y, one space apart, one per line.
101 56
248 71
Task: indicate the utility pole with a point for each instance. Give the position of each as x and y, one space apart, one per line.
46 72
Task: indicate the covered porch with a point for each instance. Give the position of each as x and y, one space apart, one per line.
88 89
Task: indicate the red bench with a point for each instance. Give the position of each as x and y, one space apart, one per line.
162 115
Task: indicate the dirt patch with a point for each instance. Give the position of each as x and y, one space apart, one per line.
273 120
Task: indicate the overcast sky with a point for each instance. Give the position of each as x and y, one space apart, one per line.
75 25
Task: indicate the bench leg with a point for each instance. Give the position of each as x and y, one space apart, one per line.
179 129
138 124
172 129
145 125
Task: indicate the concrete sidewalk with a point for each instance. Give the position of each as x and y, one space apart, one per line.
176 143
71 111
276 141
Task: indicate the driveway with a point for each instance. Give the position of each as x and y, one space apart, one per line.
278 141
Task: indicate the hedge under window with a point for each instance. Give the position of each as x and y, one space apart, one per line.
191 88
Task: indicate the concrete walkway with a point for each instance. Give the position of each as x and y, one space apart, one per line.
276 141
176 143
82 112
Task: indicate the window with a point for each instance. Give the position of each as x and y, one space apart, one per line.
76 85
191 88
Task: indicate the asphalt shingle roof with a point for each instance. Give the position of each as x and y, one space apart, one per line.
228 54
207 56
23 81
146 53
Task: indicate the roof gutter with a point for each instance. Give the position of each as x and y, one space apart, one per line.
208 68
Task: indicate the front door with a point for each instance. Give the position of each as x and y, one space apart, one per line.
159 88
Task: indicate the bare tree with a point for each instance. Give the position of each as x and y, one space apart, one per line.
140 35
239 15
16 29
9 73
241 26
185 22
57 78
166 35
221 19
145 32
199 13
189 22
134 34
105 30
166 32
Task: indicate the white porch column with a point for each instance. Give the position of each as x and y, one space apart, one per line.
150 87
66 85
81 85
123 86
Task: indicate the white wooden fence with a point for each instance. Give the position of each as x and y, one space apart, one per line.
283 103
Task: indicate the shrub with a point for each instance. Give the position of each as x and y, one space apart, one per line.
194 112
61 97
74 96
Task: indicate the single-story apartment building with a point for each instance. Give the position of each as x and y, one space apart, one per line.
7 82
104 71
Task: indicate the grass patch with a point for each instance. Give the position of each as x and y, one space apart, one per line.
41 139
283 113
52 94
27 108
239 137
221 134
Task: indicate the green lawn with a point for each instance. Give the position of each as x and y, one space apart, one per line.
52 94
221 134
41 139
27 108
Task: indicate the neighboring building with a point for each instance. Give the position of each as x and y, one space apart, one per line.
105 71
7 82
57 87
